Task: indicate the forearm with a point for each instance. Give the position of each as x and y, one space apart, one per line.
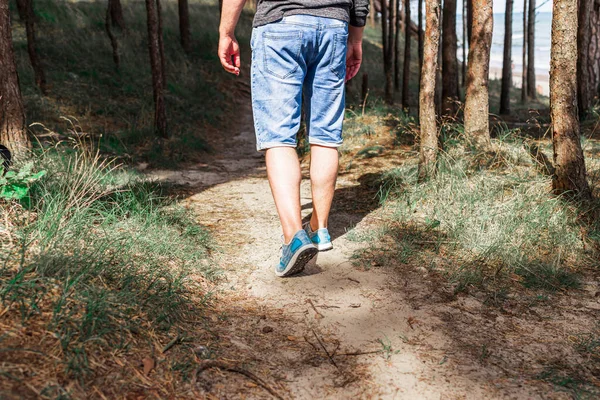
355 34
230 15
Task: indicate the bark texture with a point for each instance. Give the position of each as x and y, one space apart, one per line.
594 51
420 32
524 61
531 87
570 173
112 38
477 98
387 54
12 116
585 87
27 15
157 66
406 66
185 35
427 115
449 60
507 60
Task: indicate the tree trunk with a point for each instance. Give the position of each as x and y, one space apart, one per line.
406 66
12 115
421 33
157 66
116 14
184 26
464 43
449 61
477 98
570 174
387 58
531 88
594 51
428 146
507 61
27 15
372 12
584 91
469 21
113 40
438 76
524 70
397 48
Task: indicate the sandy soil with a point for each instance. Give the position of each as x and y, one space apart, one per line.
338 331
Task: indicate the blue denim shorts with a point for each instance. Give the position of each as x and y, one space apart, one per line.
299 56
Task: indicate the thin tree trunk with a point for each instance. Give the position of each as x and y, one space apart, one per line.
184 26
397 48
157 66
477 96
570 173
113 40
531 86
469 21
524 70
421 33
428 141
372 12
594 51
406 69
449 61
507 61
116 14
12 115
27 15
387 58
584 91
464 42
438 77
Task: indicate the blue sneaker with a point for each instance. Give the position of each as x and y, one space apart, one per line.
320 238
295 255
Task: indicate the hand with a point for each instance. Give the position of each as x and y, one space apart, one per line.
354 53
353 59
229 54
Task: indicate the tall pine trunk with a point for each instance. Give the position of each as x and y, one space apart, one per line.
570 173
477 96
157 67
531 86
464 43
185 35
12 115
406 66
469 20
387 57
27 15
397 47
421 33
584 91
507 61
524 70
116 14
428 141
594 51
449 61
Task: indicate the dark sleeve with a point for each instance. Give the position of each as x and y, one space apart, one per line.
359 12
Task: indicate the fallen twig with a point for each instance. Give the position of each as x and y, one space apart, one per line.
325 349
359 353
319 315
172 343
208 364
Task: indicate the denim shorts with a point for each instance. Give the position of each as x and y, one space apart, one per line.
300 58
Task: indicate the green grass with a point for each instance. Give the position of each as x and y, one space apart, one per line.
117 104
98 254
486 219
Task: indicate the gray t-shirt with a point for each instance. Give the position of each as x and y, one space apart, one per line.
353 11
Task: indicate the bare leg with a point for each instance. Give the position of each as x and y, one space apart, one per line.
283 170
323 174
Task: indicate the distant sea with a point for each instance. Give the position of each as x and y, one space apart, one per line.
543 29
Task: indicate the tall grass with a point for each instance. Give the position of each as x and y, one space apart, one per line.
99 253
484 219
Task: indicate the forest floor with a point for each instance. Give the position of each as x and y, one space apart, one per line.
340 330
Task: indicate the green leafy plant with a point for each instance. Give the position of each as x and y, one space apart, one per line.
14 185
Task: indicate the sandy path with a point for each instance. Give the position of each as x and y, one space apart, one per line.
355 310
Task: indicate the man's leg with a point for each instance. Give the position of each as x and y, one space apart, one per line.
283 171
323 174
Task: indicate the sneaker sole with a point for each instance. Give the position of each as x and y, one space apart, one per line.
324 247
299 261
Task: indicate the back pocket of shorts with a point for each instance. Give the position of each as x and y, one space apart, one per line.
282 53
337 63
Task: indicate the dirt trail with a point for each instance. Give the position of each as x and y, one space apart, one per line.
275 324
